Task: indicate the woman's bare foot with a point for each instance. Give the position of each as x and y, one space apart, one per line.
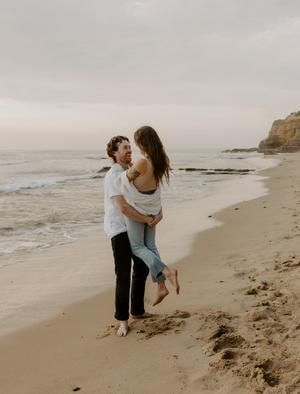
172 276
160 295
123 329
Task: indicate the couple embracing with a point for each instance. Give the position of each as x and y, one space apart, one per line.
132 204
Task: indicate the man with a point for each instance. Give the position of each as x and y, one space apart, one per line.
115 207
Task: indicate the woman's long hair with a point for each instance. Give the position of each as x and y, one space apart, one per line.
149 142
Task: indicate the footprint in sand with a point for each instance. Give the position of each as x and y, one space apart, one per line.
112 329
287 265
220 335
222 329
174 322
227 359
227 341
263 286
266 357
180 315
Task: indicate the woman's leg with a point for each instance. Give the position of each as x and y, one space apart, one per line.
137 234
169 273
149 238
149 241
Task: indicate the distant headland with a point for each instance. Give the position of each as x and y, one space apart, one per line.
284 136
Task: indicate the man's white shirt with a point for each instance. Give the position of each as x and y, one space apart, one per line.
114 221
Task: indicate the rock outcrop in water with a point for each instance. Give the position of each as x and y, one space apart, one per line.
101 172
239 150
284 135
217 171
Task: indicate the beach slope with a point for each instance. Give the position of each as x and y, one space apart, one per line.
233 329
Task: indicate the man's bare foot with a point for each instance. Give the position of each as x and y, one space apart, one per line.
123 329
161 294
172 276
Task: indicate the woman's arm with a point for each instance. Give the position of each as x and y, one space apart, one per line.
138 168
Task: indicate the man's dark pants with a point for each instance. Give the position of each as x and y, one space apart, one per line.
123 257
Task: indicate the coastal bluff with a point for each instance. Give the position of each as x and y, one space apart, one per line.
284 135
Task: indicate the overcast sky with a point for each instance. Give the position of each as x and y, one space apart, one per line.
204 73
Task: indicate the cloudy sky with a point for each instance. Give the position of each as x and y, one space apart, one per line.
204 73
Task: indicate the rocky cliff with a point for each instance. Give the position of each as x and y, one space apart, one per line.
284 135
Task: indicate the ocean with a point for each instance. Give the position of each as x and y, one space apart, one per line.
50 198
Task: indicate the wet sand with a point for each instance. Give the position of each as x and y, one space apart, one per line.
233 329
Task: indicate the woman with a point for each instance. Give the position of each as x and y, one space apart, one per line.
141 188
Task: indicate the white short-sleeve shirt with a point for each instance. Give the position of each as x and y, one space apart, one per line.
114 221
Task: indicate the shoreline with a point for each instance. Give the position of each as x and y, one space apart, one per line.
47 291
45 229
231 269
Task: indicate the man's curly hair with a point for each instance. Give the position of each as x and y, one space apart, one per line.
113 145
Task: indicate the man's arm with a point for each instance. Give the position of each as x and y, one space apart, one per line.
130 212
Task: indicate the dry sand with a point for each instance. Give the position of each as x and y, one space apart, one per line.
234 329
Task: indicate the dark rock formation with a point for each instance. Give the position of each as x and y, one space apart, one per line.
238 150
217 171
284 135
103 170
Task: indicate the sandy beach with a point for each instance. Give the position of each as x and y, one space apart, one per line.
233 329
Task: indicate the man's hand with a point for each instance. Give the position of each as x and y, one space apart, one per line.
130 212
150 220
156 219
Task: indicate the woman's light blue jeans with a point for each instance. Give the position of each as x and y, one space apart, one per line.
142 242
